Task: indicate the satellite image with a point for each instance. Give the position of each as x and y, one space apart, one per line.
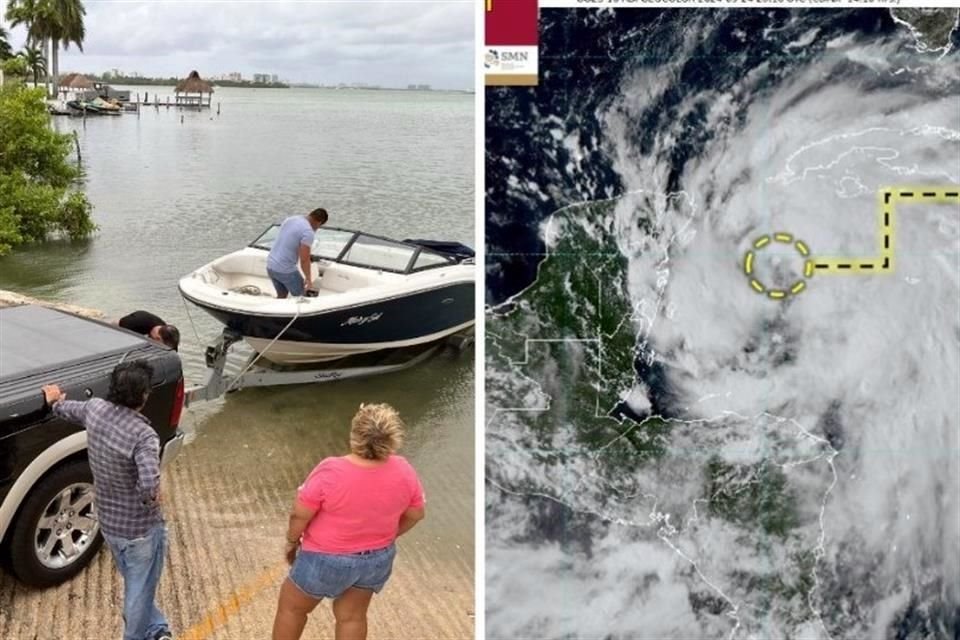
723 327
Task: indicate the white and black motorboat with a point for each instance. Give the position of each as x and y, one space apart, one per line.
373 293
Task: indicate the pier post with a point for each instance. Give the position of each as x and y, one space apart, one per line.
76 141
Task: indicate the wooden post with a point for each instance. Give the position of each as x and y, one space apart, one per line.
76 141
218 107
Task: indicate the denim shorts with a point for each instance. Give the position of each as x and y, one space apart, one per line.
326 575
286 282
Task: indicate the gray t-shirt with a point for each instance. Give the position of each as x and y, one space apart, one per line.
285 254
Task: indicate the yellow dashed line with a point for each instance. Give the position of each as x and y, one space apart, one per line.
869 265
883 263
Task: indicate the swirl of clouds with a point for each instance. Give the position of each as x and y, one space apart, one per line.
688 134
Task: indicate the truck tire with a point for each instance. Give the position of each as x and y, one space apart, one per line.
56 533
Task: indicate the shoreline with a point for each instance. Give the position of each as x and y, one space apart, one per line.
14 299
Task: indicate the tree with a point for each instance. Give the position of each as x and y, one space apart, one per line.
35 15
68 29
38 194
5 50
62 22
59 21
15 67
35 61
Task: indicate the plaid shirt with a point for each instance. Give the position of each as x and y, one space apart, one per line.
124 453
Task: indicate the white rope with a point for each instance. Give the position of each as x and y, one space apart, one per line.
239 376
190 318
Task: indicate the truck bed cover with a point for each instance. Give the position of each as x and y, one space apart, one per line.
40 345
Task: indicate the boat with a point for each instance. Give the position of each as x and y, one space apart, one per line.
97 106
372 294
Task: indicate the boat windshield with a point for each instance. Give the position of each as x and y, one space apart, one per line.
266 240
361 250
379 253
330 243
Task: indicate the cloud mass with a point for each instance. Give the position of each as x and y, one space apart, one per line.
385 42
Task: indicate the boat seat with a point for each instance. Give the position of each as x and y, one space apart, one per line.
337 281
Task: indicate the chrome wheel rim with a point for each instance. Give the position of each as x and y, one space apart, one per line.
67 526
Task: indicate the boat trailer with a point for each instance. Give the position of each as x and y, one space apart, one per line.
218 382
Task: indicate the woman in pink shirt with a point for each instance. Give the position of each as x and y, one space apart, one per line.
347 514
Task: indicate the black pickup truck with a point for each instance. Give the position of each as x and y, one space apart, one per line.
48 523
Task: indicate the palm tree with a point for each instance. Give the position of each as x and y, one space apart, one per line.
66 27
35 16
5 50
59 21
27 13
37 64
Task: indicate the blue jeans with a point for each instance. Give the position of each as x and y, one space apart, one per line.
286 282
140 562
327 575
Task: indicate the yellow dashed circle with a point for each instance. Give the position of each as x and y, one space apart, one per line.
783 238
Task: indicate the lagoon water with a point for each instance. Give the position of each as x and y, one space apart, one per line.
170 196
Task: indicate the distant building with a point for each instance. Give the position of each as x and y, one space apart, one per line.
418 87
275 78
263 78
235 76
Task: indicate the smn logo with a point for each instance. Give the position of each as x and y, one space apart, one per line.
515 56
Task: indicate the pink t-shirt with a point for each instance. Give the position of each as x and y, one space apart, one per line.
358 508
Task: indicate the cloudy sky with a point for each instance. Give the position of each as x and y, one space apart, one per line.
385 42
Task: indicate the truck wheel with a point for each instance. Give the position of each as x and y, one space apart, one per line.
56 533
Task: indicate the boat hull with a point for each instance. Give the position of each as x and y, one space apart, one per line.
407 320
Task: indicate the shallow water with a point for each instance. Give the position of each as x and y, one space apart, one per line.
170 196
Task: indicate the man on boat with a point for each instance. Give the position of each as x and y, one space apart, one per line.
292 246
147 324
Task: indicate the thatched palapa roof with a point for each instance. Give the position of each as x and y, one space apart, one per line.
75 81
193 84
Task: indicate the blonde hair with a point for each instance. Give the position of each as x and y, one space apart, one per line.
376 431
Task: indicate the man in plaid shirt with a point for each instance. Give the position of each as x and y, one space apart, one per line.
124 453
